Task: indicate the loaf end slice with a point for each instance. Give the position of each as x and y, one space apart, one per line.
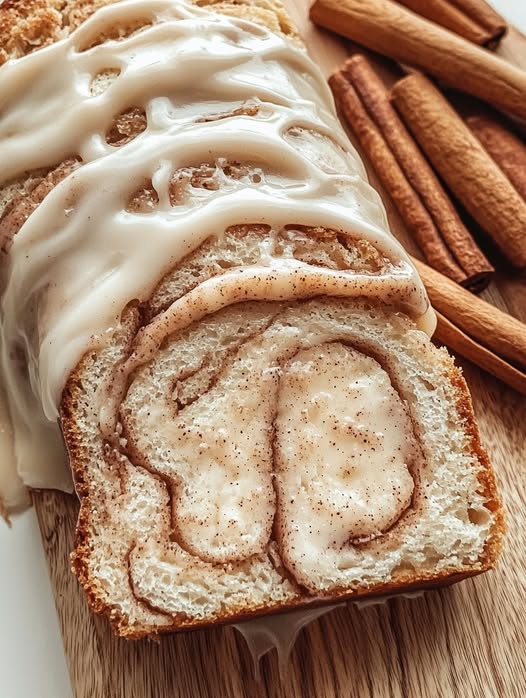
164 540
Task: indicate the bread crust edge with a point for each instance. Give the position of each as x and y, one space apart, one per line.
406 583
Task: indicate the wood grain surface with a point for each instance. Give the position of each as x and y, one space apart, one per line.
467 641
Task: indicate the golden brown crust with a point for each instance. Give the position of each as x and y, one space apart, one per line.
485 475
79 461
27 25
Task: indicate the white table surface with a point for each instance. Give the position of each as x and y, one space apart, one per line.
32 662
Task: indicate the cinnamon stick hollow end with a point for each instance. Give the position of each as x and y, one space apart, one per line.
211 306
475 20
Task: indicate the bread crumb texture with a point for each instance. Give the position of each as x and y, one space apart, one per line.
27 25
199 515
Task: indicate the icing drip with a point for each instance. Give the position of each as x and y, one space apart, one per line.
278 632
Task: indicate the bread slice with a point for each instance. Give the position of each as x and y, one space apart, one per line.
269 454
188 523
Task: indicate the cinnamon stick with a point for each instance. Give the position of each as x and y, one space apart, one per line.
458 341
507 149
392 30
416 218
464 165
444 240
490 327
475 20
482 13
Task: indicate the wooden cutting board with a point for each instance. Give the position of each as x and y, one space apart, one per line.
466 641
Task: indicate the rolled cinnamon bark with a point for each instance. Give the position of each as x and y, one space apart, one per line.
394 31
491 327
475 20
449 239
462 162
482 13
458 341
406 200
507 149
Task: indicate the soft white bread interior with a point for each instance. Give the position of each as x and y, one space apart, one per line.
250 474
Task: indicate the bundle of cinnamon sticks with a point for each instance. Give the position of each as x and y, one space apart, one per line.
482 163
474 329
389 28
475 178
417 143
408 178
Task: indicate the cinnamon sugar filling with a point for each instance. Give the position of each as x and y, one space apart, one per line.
22 205
251 262
257 451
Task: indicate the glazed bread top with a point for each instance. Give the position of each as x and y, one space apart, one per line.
152 126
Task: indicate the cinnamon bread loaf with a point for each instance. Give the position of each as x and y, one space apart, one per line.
200 284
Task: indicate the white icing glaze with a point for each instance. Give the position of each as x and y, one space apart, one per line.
280 631
13 494
81 256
